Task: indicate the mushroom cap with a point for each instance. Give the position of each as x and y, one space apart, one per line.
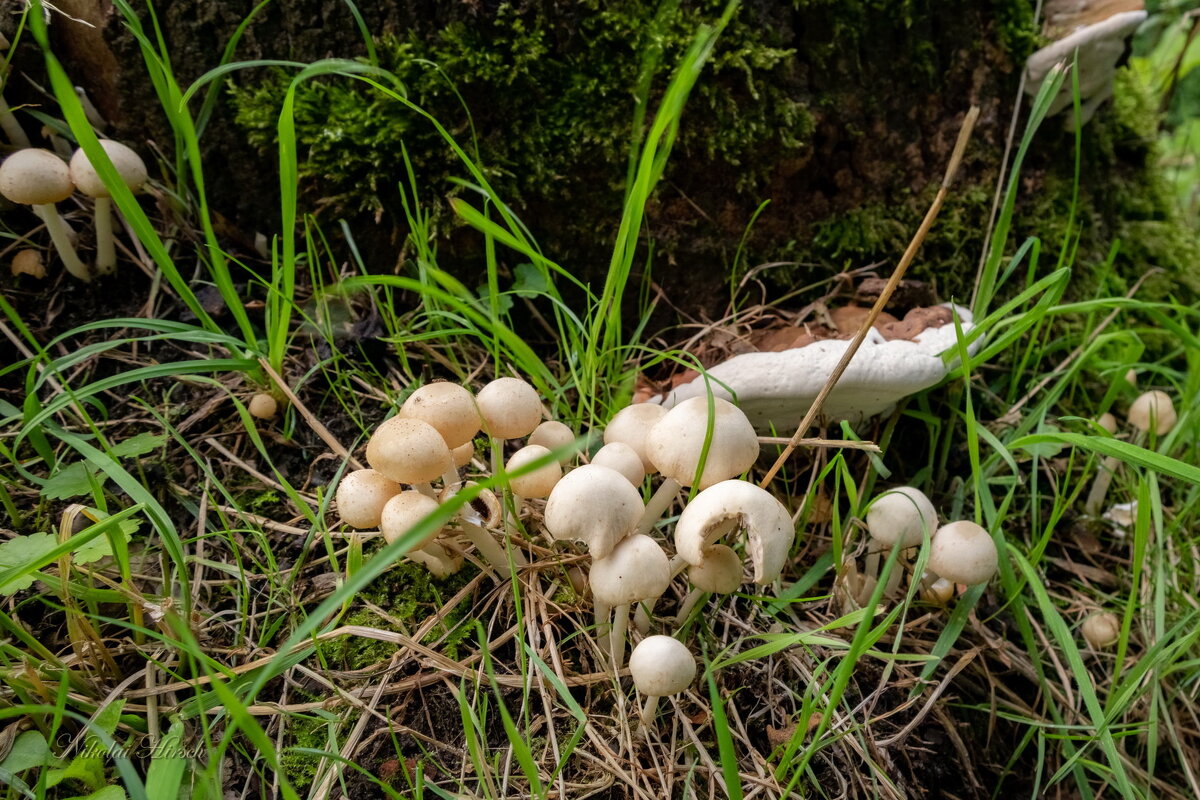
35 177
902 513
1101 629
510 408
553 435
674 444
963 552
463 454
1108 422
402 513
661 666
595 505
361 496
1153 409
29 262
448 407
408 451
720 572
775 389
940 592
1100 47
622 458
129 166
262 405
630 426
637 569
483 509
731 505
540 482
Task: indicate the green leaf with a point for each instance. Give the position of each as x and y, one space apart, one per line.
22 551
138 445
101 546
1107 446
106 793
29 750
73 480
165 775
529 282
504 303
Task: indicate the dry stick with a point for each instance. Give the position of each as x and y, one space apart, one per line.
319 429
956 157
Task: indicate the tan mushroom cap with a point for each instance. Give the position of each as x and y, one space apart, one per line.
1101 629
720 572
1153 409
622 458
403 512
510 408
361 496
661 666
594 505
35 177
448 407
631 425
902 513
29 262
262 406
540 482
729 506
1108 422
963 552
463 454
408 451
129 166
637 569
675 443
553 435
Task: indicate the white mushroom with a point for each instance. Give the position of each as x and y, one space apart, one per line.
361 496
737 505
1101 630
510 408
903 515
262 406
1153 411
593 505
132 171
40 179
963 552
409 451
540 482
637 569
720 572
622 458
631 425
554 435
448 407
775 389
660 666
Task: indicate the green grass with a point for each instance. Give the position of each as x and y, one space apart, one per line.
236 586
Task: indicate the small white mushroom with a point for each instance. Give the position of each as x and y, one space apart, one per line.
540 482
1153 411
1101 630
510 408
554 435
903 515
593 505
637 569
963 552
409 451
463 454
262 406
405 511
132 171
720 572
361 496
631 425
737 505
660 666
622 458
39 178
1108 422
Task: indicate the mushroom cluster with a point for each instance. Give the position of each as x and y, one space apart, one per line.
40 179
961 552
428 440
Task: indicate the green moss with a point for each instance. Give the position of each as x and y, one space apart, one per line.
304 731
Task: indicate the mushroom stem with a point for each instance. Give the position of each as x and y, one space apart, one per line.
426 489
1104 477
642 614
897 571
603 616
489 549
620 630
649 708
689 602
451 477
106 251
659 502
431 560
61 237
12 128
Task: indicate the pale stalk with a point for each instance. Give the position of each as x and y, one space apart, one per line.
660 501
61 236
106 249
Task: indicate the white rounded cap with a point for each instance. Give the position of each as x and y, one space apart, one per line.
540 482
448 407
361 496
402 513
902 513
1153 410
733 505
594 505
963 552
622 458
1108 422
940 592
637 569
35 177
263 406
510 408
129 166
630 426
674 444
661 666
720 571
463 454
1101 629
553 435
408 451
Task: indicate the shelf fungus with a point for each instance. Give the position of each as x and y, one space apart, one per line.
775 386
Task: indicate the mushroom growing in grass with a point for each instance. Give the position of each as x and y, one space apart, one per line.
904 515
510 408
731 506
477 518
963 552
675 443
361 496
631 425
451 410
538 483
263 406
720 572
622 458
593 505
1101 630
660 667
1151 411
131 169
29 262
637 569
38 178
405 511
554 435
409 451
